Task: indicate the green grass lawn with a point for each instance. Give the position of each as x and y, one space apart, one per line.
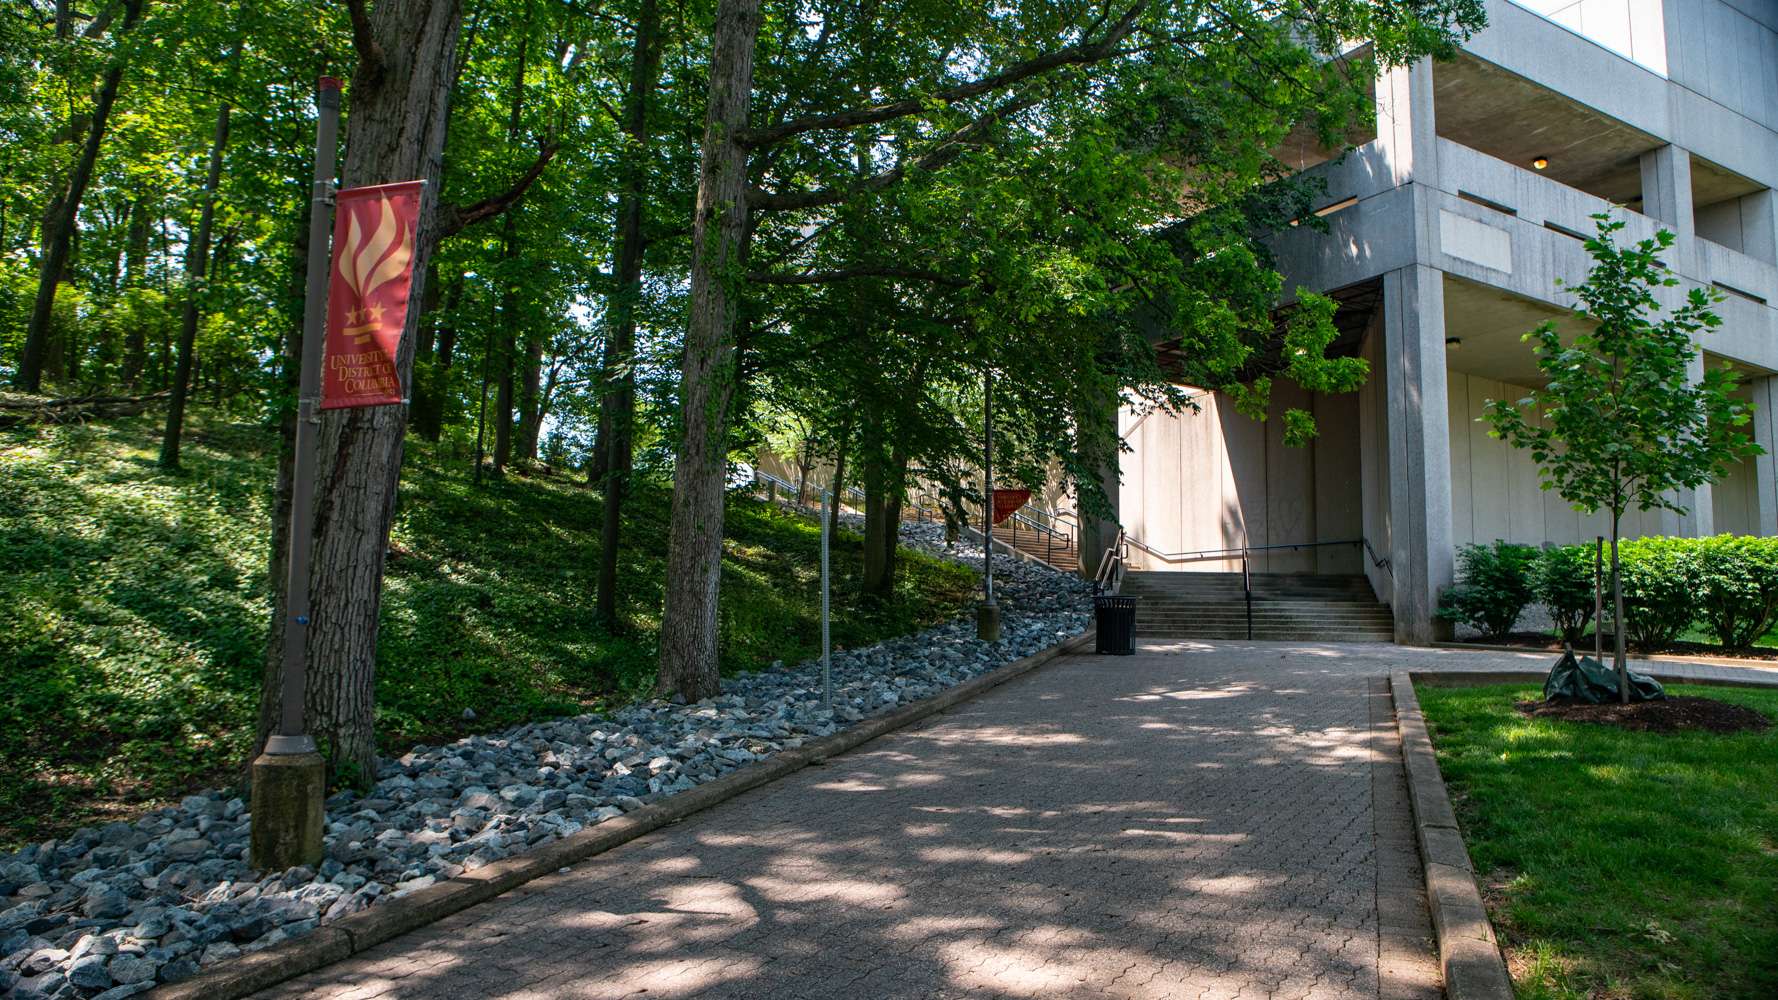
1618 864
133 609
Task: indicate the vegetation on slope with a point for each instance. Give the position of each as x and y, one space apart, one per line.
133 609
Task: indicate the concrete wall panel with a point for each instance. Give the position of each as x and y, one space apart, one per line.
1216 479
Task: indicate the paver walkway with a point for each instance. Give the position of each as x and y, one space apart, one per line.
1199 820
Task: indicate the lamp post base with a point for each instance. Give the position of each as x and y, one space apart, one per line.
987 622
288 789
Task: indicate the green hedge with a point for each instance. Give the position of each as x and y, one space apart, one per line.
1493 587
1728 584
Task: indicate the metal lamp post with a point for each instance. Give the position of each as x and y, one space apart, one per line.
987 614
289 777
827 504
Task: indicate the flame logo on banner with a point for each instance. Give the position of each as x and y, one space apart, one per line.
367 263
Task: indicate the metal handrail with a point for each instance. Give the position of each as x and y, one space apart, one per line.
1109 577
1245 552
1377 560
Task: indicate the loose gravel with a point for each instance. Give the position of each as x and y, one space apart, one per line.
110 911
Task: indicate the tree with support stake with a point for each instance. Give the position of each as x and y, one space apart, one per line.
1620 421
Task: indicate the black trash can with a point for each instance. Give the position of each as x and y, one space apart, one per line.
1114 619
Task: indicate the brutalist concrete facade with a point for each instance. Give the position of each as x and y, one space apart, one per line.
1453 228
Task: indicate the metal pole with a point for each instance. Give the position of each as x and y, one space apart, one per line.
827 502
988 486
1247 589
292 736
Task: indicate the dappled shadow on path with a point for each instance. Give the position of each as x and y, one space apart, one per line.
1152 826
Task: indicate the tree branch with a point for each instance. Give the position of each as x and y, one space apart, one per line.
370 53
849 273
952 147
1073 55
453 219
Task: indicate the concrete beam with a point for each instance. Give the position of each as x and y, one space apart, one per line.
1421 553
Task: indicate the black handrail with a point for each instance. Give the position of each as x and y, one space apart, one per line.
1245 553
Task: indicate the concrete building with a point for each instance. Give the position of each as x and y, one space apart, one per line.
1450 228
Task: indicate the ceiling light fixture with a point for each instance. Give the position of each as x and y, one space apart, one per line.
1540 163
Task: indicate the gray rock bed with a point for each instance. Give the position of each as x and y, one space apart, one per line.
110 911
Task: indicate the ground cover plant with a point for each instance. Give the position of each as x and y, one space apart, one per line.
1618 863
133 609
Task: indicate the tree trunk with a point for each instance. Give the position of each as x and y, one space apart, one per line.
197 260
892 500
1619 657
804 466
509 298
135 339
688 660
400 106
617 412
481 416
433 385
531 397
58 232
837 488
875 479
503 388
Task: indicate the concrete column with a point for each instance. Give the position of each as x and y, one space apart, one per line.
1667 190
1765 467
1406 126
1759 225
1421 553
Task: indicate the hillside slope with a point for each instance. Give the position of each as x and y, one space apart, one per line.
133 609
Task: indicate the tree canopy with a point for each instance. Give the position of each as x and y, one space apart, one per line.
658 233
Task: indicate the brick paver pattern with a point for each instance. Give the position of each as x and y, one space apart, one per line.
1191 822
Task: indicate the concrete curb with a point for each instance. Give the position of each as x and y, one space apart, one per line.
1714 661
368 928
1468 952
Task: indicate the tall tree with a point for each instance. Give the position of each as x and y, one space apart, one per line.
60 224
400 108
1620 423
197 263
957 79
618 402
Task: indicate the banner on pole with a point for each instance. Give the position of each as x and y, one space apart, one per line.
1007 501
367 295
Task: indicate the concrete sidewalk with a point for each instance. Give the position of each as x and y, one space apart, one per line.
1194 821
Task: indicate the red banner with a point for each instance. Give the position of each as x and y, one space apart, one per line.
367 295
1007 501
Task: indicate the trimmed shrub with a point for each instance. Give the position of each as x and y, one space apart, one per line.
1737 586
1562 580
1660 589
1493 587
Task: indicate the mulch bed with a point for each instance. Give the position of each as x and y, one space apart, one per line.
1669 715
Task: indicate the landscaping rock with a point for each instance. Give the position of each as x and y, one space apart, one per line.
129 904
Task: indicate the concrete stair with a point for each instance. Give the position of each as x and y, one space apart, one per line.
1285 606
